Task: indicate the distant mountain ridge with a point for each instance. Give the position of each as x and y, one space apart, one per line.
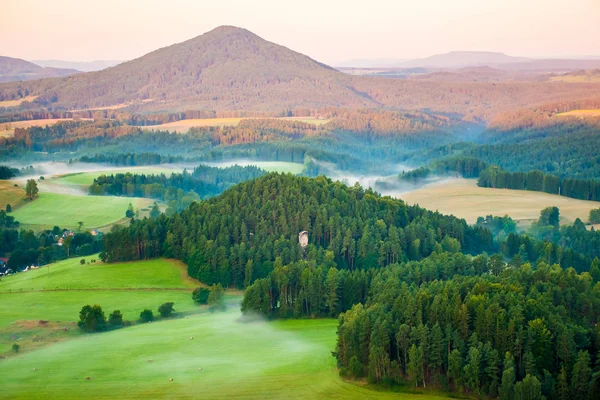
461 59
83 66
16 69
232 70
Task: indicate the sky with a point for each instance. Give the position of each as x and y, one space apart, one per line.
330 31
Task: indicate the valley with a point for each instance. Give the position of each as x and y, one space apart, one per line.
220 216
463 198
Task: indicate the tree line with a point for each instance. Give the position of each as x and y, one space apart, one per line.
177 189
584 189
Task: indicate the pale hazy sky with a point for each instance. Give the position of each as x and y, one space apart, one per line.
327 30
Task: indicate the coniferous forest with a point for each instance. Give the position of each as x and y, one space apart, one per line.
424 298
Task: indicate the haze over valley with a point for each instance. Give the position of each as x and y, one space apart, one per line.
204 200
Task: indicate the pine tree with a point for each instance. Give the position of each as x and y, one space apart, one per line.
582 374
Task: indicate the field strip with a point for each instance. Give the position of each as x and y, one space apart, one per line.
159 289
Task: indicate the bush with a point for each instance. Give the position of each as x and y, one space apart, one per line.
216 300
146 316
92 319
200 295
166 309
8 208
16 348
594 216
82 261
115 318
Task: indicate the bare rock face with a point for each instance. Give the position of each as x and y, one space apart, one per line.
303 239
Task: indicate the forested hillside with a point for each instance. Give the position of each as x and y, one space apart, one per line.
242 234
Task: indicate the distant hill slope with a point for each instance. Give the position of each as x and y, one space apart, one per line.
460 59
84 66
232 69
226 68
15 69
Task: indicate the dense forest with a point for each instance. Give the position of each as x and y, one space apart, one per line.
177 189
236 237
463 324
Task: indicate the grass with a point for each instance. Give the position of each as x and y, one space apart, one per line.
580 113
184 125
285 359
580 78
464 199
8 129
65 210
18 102
70 274
87 178
9 194
278 360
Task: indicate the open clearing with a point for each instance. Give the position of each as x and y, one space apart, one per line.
581 78
18 102
463 198
278 360
8 128
65 210
185 124
580 113
9 194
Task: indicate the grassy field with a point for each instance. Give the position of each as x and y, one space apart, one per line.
87 178
65 210
8 129
184 125
463 198
18 102
580 113
9 194
225 359
580 78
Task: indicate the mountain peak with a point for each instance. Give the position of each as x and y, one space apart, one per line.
226 68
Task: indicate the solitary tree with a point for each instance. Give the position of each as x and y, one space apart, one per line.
16 348
31 189
115 318
67 243
154 212
146 315
216 301
92 319
80 223
200 295
130 211
8 208
166 309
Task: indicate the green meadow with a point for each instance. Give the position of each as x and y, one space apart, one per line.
194 354
66 210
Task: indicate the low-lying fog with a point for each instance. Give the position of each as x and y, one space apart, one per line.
386 183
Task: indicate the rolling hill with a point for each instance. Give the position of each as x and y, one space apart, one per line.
84 66
15 69
226 68
460 59
232 69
